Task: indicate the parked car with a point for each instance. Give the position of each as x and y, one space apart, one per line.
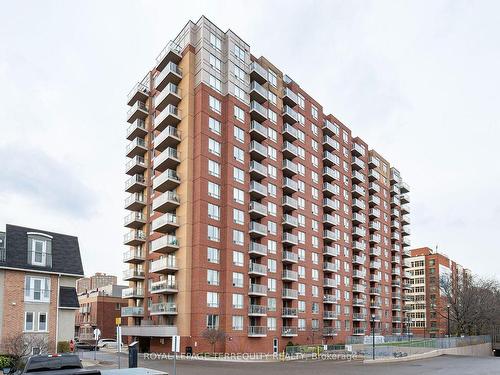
60 364
86 345
107 343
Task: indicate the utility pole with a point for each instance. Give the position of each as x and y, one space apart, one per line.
448 308
373 336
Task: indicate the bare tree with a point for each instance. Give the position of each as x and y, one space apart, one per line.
21 346
213 336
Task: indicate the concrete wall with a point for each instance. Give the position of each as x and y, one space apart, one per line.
66 325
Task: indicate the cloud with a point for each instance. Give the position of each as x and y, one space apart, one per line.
44 181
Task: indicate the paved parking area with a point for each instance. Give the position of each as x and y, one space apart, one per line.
440 365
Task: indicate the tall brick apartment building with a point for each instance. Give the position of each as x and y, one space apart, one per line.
38 273
96 281
251 209
428 306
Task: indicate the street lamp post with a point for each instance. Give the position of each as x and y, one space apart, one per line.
373 336
448 309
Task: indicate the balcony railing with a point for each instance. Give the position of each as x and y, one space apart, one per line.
132 311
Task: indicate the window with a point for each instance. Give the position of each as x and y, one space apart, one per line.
272 134
215 83
213 168
213 255
239 114
237 301
238 237
301 100
214 146
213 211
215 41
272 208
213 190
214 125
239 73
302 306
37 289
271 324
212 277
273 79
272 97
271 304
272 227
272 153
238 196
215 63
238 216
239 154
239 93
212 321
238 175
314 112
239 52
238 279
271 246
212 299
271 285
39 249
273 117
238 258
239 134
302 324
237 323
271 265
272 172
213 233
271 190
29 321
214 104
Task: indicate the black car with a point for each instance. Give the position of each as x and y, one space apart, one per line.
55 364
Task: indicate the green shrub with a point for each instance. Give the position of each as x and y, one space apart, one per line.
63 347
5 361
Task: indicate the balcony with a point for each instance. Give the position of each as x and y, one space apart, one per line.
289 275
166 181
289 115
330 174
358 274
358 177
330 144
133 256
256 269
373 188
135 184
134 220
288 203
330 299
330 189
133 274
258 151
358 150
405 220
257 290
331 220
258 93
330 267
375 291
288 331
134 238
257 190
170 95
165 265
164 287
396 295
257 331
257 249
288 293
330 159
289 150
289 186
289 257
375 265
330 128
358 218
358 191
394 213
375 251
170 74
330 205
330 315
258 73
132 311
373 175
289 312
329 331
257 310
258 131
331 251
257 210
358 245
329 235
374 201
404 198
360 260
168 138
289 221
289 133
396 260
257 170
136 148
358 317
360 302
165 244
137 130
405 230
394 224
170 116
289 97
166 202
289 168
257 230
375 238
358 204
405 188
132 293
163 308
165 223
289 239
138 111
374 213
405 209
136 165
396 307
357 163
406 254
329 283
396 271
149 331
395 236
373 162
358 232
375 226
171 52
140 92
257 111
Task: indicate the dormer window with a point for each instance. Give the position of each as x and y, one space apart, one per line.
39 250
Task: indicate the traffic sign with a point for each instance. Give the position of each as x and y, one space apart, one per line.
176 344
97 333
118 321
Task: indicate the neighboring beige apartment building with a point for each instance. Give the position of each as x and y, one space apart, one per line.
252 209
38 273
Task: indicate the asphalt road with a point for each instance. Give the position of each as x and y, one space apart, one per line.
443 365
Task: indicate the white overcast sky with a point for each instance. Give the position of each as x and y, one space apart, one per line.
418 80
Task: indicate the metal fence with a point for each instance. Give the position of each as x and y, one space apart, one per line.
312 349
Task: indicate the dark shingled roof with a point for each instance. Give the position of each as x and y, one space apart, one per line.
65 251
68 297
